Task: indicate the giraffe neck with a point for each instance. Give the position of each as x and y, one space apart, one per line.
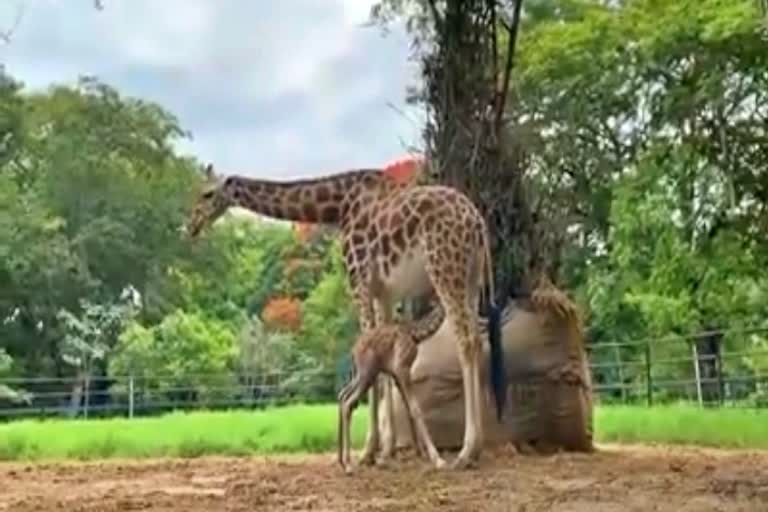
424 327
319 200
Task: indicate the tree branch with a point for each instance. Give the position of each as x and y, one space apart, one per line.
512 31
5 36
436 17
494 41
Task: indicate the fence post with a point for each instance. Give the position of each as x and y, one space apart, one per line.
697 372
648 381
130 396
87 392
719 367
620 370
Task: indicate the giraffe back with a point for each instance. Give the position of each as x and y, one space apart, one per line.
386 239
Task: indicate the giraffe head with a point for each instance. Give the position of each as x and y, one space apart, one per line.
212 201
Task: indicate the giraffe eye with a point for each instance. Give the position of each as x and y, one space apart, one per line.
208 194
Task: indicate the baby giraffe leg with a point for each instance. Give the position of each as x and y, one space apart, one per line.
341 447
363 381
386 420
372 440
418 446
403 381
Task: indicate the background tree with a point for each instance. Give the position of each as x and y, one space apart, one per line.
185 357
88 338
466 51
645 129
632 152
10 395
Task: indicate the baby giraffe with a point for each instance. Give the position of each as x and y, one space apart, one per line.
389 348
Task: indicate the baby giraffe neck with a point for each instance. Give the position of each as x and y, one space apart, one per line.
427 325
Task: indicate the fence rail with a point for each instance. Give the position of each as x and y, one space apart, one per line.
133 395
701 367
702 371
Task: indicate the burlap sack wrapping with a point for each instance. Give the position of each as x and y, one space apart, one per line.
549 403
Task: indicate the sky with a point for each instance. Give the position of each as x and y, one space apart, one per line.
270 89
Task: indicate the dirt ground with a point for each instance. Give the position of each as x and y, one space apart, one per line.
630 478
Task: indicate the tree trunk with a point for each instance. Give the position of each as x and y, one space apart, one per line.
466 80
76 394
708 347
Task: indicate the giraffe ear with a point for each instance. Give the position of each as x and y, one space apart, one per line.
208 172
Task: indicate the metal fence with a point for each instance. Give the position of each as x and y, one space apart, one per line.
133 395
699 368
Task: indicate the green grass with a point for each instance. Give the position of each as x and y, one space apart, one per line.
312 429
299 428
683 424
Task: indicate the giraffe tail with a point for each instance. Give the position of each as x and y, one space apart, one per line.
497 371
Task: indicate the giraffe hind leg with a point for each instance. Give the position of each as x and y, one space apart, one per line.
470 350
422 438
452 274
418 446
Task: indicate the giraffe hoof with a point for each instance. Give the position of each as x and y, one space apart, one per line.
463 462
440 463
367 459
349 470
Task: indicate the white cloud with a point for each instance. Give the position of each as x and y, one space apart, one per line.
275 89
356 11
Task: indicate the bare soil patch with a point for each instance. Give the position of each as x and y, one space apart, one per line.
616 478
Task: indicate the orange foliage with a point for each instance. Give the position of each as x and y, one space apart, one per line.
405 168
304 230
282 313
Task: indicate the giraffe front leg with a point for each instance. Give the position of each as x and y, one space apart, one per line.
347 404
383 314
386 422
372 442
367 320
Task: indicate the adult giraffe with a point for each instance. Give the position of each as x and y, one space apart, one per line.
399 239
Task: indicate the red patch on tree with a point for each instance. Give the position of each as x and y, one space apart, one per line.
304 230
404 169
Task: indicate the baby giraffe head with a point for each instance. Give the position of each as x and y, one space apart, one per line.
212 201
